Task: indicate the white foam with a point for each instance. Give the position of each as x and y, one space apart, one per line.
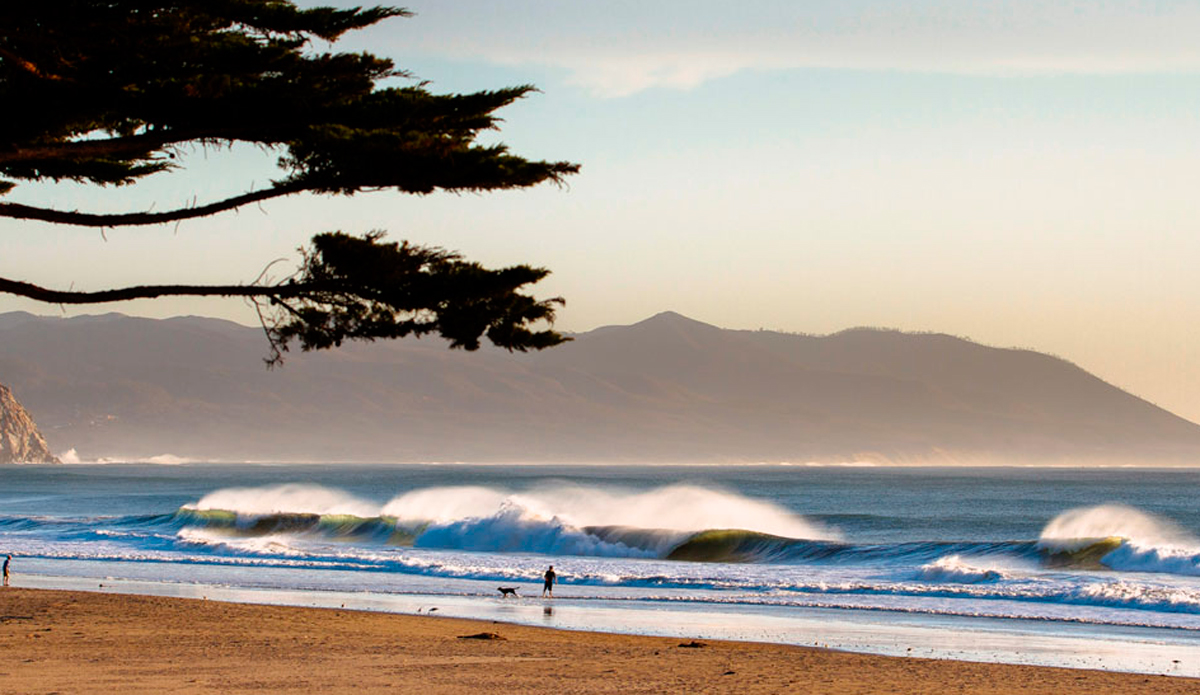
953 568
1129 594
275 544
159 460
71 456
1131 557
167 460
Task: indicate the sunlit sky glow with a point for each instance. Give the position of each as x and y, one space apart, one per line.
1019 173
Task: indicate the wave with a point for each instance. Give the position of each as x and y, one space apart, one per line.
954 586
1121 538
558 520
1131 557
515 530
676 523
71 457
732 545
955 569
289 519
1080 525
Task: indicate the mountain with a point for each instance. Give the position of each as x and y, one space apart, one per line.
666 389
20 441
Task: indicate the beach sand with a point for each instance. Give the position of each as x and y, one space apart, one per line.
77 642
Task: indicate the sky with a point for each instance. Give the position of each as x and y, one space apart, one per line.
1018 173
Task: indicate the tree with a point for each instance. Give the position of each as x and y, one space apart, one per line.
108 92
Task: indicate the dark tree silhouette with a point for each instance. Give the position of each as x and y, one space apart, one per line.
110 91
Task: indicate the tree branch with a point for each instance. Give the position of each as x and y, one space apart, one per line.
86 219
42 294
362 288
128 146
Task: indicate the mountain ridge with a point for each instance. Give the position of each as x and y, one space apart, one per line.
667 388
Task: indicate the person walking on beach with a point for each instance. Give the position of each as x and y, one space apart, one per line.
547 588
7 558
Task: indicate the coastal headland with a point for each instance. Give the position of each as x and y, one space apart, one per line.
84 642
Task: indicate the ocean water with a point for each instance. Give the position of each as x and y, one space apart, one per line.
1097 567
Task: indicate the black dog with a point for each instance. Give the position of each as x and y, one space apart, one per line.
506 591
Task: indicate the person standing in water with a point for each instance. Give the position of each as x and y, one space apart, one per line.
7 558
547 588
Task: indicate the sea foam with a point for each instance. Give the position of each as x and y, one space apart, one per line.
953 568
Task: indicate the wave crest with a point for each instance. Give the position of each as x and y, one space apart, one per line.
1118 537
1083 525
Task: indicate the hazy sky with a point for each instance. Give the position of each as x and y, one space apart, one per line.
1018 173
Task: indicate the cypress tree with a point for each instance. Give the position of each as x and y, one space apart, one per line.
108 92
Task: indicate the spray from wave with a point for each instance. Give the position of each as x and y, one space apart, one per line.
284 499
672 508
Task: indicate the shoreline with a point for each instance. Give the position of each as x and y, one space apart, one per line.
1016 641
91 642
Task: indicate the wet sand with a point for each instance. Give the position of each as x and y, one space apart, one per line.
80 642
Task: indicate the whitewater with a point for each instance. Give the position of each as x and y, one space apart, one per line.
1038 566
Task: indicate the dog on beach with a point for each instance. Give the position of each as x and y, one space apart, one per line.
506 591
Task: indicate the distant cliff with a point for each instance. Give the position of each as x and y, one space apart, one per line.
667 389
20 441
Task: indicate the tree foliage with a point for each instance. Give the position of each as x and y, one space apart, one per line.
108 92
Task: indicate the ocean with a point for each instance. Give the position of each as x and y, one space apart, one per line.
1095 568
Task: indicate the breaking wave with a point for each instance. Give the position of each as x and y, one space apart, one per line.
684 523
559 520
954 569
675 543
1118 537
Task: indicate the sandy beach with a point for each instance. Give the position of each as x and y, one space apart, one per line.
80 642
